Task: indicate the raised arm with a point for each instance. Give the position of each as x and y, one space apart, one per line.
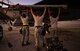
21 17
32 12
49 12
27 12
44 12
58 13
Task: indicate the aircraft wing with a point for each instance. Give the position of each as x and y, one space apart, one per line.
4 17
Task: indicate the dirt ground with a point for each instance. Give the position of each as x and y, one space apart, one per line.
68 32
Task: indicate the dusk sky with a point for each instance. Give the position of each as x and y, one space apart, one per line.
25 2
22 2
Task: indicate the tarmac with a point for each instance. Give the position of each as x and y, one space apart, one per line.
68 32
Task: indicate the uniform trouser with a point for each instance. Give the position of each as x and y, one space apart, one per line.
25 33
38 31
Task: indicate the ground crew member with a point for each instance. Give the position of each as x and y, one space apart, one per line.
25 29
38 26
53 22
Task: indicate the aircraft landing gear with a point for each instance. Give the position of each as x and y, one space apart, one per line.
10 28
